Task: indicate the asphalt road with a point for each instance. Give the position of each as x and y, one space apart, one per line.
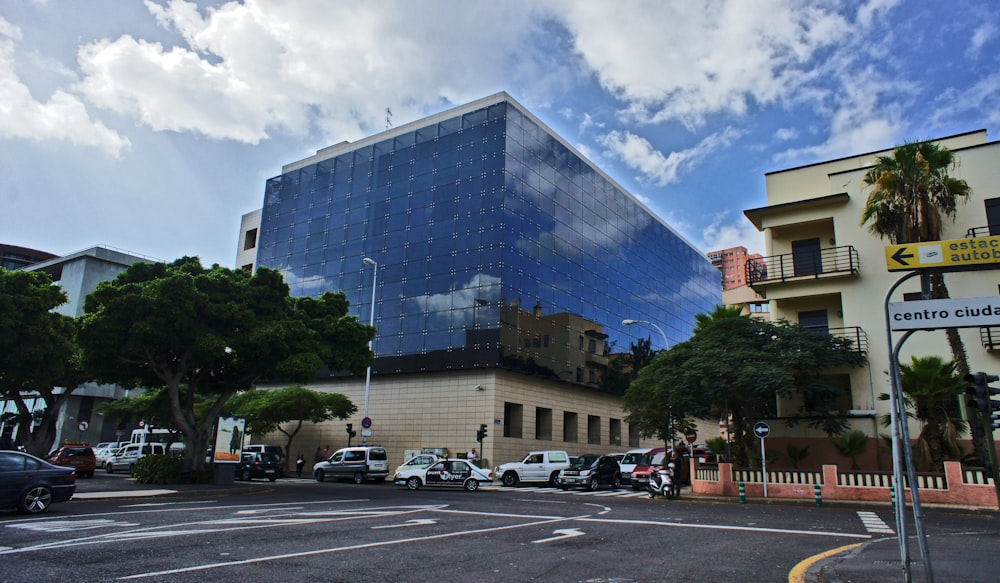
300 530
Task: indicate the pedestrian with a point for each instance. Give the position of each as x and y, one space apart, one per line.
471 456
318 456
326 453
300 464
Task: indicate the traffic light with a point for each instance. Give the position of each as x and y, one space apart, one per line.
481 434
350 433
979 392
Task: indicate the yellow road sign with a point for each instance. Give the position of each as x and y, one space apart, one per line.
953 253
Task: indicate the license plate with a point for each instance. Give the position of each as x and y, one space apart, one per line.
269 471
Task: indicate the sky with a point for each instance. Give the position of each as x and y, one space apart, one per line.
152 126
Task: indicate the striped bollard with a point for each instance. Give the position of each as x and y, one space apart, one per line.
743 493
892 495
819 494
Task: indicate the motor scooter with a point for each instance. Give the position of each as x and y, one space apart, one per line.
662 482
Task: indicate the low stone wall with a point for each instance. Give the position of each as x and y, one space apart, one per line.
966 487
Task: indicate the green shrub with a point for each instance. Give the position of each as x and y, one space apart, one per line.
157 469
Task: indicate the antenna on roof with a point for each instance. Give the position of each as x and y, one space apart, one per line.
388 118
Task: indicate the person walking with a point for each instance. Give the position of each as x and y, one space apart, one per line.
318 456
300 464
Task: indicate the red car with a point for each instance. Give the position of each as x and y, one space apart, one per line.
648 462
78 456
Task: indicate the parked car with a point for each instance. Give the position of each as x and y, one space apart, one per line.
647 463
78 456
591 472
32 485
126 457
258 465
629 462
421 460
356 463
262 448
537 466
446 472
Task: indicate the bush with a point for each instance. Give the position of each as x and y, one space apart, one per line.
157 469
166 469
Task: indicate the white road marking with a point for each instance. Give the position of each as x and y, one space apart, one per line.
414 522
873 523
560 534
70 525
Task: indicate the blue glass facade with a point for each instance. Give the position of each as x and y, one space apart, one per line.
496 246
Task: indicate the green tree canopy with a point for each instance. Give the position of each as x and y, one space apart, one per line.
201 332
284 410
742 365
38 355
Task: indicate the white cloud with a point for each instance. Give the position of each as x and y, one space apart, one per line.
725 232
982 34
61 118
655 168
685 61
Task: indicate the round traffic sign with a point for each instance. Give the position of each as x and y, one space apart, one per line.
82 426
691 436
761 429
366 422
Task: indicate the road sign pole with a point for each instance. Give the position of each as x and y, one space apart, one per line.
763 465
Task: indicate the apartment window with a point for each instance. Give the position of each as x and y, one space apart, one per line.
615 432
513 419
250 240
593 430
570 432
543 423
633 436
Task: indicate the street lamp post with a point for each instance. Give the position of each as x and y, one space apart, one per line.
371 322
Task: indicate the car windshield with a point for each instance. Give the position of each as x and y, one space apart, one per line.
269 458
632 458
585 461
378 454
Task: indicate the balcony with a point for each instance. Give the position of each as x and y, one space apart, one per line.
831 262
990 338
857 336
982 231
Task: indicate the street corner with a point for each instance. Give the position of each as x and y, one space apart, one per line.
808 570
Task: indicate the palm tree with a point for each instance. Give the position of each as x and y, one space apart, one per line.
852 444
911 195
932 388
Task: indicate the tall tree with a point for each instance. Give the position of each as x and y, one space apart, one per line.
743 365
201 332
912 193
932 388
284 410
38 355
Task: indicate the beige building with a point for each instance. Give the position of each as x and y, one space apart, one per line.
823 269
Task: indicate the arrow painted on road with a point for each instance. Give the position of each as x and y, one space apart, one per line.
561 534
414 522
901 256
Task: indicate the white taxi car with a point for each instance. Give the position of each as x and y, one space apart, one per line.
447 472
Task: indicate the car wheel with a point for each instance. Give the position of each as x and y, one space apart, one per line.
358 477
245 475
616 482
413 483
471 485
319 475
273 478
552 478
564 487
109 468
510 479
593 484
35 500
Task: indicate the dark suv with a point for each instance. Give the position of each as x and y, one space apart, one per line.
79 457
258 465
591 472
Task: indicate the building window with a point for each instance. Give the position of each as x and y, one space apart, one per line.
633 436
593 430
250 240
543 423
615 432
513 419
570 431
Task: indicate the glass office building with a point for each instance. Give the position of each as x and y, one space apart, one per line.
495 245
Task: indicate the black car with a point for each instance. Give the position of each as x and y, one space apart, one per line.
591 472
258 465
30 484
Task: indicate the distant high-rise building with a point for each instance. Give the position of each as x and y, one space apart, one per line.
732 263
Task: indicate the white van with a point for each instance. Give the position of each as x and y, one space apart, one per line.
629 462
126 457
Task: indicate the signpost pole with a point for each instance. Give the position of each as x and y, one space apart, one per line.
763 465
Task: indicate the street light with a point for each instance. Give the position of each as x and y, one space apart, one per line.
371 322
629 322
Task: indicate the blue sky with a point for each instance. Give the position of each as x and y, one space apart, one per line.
152 126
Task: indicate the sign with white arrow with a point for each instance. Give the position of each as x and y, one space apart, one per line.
561 534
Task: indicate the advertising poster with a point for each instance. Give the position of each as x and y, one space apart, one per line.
229 440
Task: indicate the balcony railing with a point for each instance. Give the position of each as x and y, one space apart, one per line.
799 266
857 336
990 338
982 231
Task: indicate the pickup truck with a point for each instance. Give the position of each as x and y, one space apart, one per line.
537 466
